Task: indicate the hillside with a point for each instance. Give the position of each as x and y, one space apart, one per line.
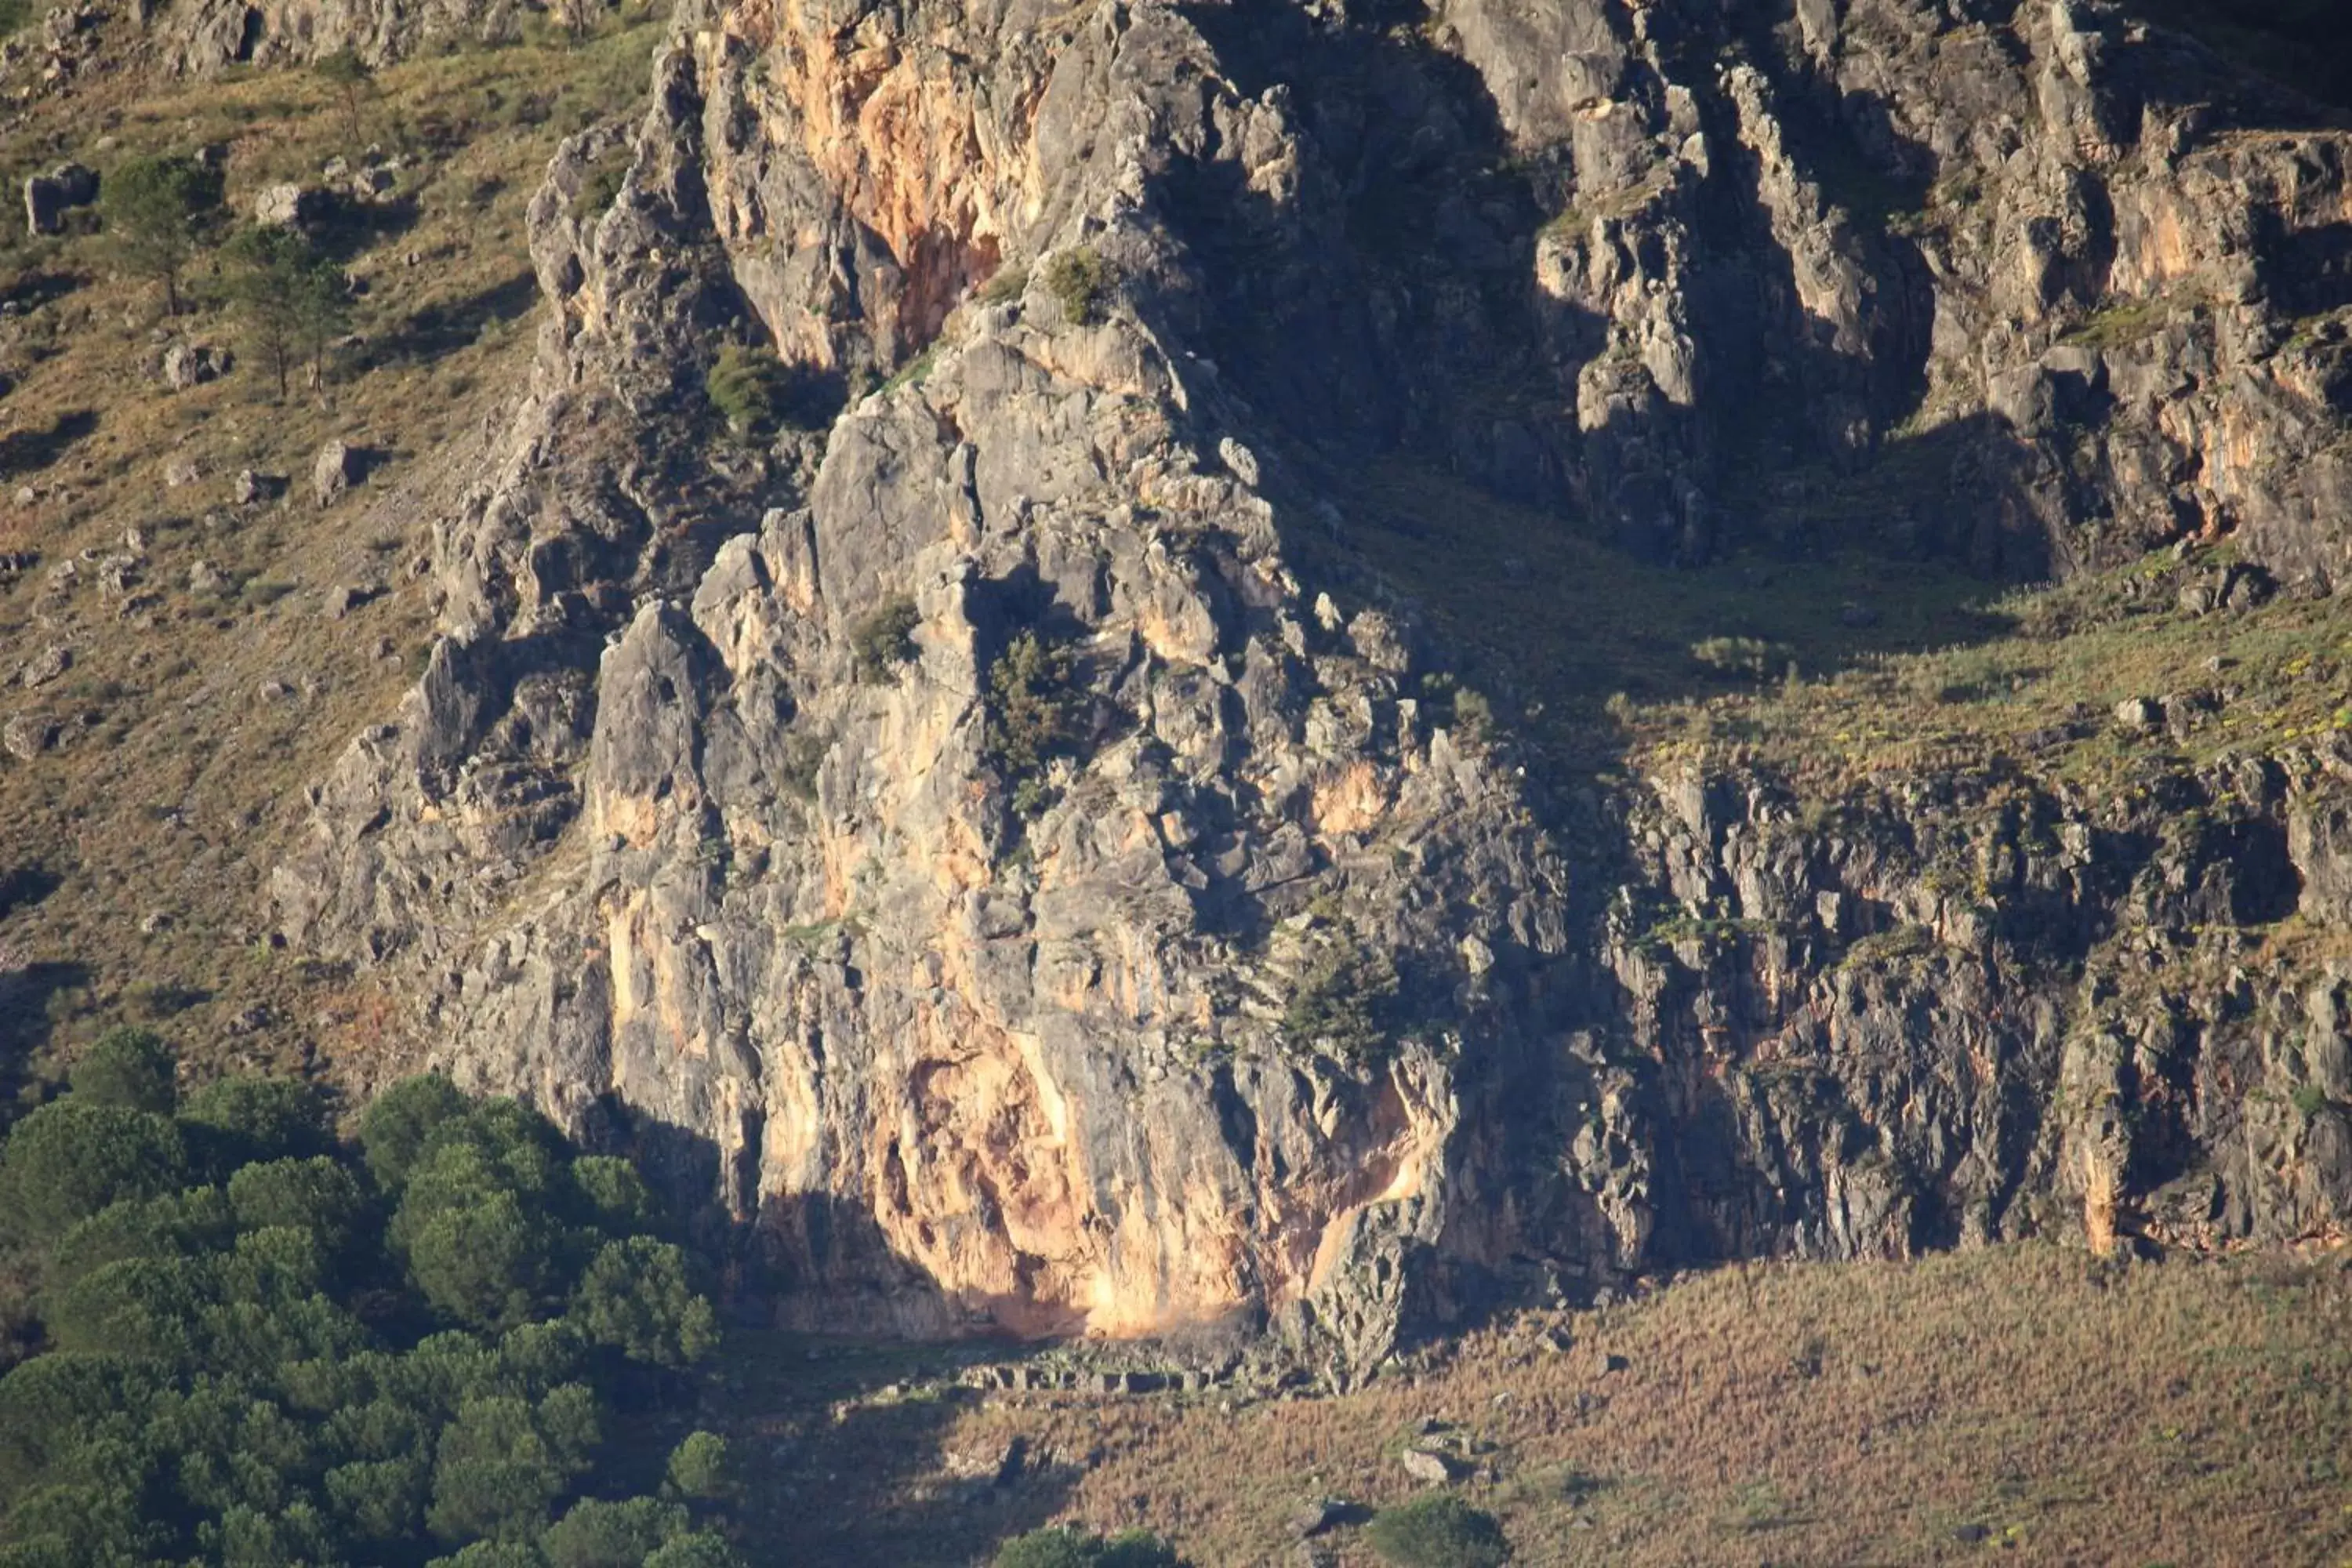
1315 675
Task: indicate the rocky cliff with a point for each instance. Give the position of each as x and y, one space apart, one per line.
1006 841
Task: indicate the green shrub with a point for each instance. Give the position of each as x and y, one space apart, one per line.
883 640
1080 281
1033 717
1008 284
1439 1530
601 186
1750 657
749 387
1340 1002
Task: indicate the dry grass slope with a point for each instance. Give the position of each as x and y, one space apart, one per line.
2027 1404
193 712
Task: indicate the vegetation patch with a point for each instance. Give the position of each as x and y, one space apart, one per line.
244 1339
749 387
1067 1546
883 640
1439 1530
1035 710
1342 1003
1080 281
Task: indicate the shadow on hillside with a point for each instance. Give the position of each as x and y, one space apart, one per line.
31 290
30 450
22 887
24 1024
441 328
352 226
844 1437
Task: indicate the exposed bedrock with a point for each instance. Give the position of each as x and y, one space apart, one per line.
1011 854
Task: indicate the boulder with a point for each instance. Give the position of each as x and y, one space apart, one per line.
1430 1468
291 205
49 196
253 488
191 364
181 471
45 667
28 735
333 473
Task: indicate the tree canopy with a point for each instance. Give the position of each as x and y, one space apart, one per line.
263 1345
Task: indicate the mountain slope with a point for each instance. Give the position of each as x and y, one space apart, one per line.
1367 675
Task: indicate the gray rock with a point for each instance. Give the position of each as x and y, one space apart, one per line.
26 735
253 488
2140 714
1040 973
181 471
332 473
288 205
1432 1468
48 197
187 365
204 577
45 667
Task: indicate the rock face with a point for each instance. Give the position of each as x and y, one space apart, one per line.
999 847
205 36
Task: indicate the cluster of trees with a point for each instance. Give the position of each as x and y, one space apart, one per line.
1064 1546
161 213
263 1345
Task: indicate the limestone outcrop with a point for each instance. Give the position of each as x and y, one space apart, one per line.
1006 848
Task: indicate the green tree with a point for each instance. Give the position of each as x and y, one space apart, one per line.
699 1549
503 1460
292 300
612 1193
634 1296
1067 1546
351 81
494 1554
128 1067
150 1307
196 1220
157 212
598 1534
483 1256
380 1501
318 1195
701 1469
396 1125
1439 1530
66 1161
238 1121
56 1404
